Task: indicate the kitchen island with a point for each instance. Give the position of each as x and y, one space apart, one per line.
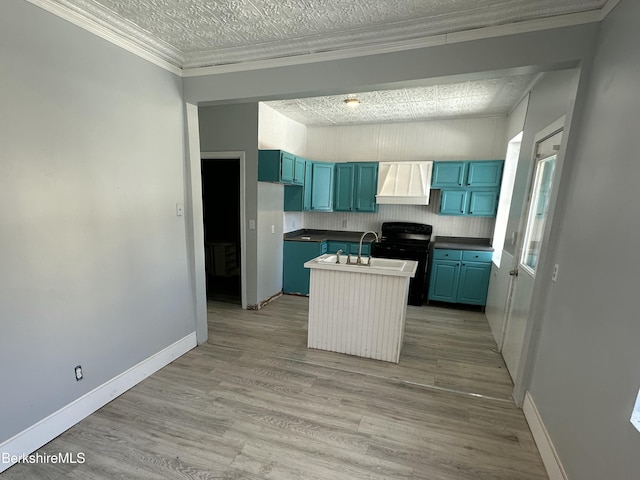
358 309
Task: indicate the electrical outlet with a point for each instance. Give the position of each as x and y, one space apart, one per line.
344 223
78 371
554 274
252 224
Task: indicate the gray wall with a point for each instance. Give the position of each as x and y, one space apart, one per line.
93 266
234 127
587 373
551 98
523 53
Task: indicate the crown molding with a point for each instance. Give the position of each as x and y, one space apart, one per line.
558 21
121 33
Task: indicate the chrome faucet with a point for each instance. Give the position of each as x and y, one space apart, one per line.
359 259
338 255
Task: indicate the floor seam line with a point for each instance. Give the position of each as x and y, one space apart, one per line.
392 380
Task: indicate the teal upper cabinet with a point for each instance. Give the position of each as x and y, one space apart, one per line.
454 202
485 174
465 202
467 174
344 187
468 188
449 174
355 187
322 187
316 191
280 167
366 186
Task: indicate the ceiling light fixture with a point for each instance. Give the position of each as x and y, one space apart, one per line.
351 102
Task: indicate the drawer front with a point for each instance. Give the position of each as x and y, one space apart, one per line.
444 254
476 256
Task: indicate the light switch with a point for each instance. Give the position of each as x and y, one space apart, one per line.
273 229
179 209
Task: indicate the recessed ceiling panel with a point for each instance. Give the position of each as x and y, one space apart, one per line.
492 96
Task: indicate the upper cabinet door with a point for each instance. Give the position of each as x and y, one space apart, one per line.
345 174
287 167
322 187
483 204
454 202
485 174
448 174
366 186
299 170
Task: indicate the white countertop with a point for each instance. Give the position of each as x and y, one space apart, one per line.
379 266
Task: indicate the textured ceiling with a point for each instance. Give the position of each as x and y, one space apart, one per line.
195 33
492 96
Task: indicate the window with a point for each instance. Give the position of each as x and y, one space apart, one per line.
538 211
635 415
506 191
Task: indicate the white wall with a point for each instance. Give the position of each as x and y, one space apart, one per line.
93 267
277 132
587 367
460 139
270 248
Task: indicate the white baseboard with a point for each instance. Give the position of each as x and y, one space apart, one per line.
39 434
543 441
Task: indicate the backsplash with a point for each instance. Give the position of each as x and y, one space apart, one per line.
360 222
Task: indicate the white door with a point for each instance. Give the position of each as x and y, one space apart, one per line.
535 217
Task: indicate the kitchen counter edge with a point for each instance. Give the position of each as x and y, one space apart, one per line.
463 243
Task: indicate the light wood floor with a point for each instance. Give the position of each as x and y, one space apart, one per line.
255 403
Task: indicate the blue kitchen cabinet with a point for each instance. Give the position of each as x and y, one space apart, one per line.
443 283
296 278
454 202
448 174
460 276
344 187
297 198
469 203
356 187
483 204
468 188
279 166
333 247
366 187
350 248
473 283
322 187
299 171
485 173
318 178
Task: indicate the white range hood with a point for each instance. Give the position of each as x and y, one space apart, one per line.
404 183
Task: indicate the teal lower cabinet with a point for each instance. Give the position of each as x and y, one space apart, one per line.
460 276
295 276
348 247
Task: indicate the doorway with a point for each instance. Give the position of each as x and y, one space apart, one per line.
536 217
221 205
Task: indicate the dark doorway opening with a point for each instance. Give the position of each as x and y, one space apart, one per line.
221 212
